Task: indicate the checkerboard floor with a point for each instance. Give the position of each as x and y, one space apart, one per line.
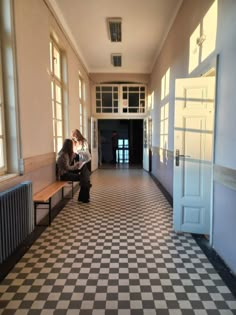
117 255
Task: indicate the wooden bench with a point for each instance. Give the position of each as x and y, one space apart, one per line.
45 195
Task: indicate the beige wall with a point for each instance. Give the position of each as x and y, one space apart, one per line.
32 51
116 77
34 24
175 55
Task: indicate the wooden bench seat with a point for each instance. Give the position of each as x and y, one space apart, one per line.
45 195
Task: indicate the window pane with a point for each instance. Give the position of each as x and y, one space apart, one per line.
107 100
84 92
53 126
107 89
54 145
59 128
107 110
57 65
53 110
52 90
51 57
120 143
134 89
133 110
58 93
80 88
133 100
59 144
59 111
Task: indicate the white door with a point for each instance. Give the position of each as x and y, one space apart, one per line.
145 145
94 144
193 147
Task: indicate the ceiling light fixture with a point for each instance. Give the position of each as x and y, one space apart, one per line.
114 29
116 60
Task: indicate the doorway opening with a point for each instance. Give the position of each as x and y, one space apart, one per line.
129 152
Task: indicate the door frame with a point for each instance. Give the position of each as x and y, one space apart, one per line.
202 71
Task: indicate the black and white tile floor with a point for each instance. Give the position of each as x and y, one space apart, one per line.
117 255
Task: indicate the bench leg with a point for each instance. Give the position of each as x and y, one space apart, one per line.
49 212
35 214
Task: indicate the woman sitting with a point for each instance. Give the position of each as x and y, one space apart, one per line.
81 148
70 170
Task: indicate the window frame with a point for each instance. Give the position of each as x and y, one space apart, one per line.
119 95
57 103
81 103
3 168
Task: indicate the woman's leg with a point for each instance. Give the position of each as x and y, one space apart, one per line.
71 176
84 195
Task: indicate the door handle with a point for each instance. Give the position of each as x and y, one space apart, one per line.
177 156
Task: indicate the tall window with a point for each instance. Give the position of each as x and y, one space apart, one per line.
81 104
56 94
3 165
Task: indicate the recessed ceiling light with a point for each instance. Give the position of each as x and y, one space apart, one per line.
114 29
116 60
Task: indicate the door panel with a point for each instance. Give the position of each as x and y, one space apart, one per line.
194 117
94 144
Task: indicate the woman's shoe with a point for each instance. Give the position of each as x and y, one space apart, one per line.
83 200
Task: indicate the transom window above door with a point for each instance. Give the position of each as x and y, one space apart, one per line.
120 99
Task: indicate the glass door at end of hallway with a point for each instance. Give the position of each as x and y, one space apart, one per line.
122 153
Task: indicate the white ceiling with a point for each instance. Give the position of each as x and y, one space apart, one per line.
145 25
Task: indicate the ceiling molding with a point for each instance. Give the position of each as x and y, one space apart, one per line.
59 16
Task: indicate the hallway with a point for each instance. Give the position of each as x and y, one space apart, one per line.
117 255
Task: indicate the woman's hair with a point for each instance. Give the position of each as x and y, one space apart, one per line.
67 147
77 135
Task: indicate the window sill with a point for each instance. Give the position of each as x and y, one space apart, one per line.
7 177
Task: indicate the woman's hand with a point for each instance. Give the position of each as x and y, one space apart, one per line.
79 164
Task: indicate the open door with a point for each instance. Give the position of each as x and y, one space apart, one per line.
145 145
193 147
150 143
94 143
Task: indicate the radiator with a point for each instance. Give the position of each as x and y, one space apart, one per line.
16 218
